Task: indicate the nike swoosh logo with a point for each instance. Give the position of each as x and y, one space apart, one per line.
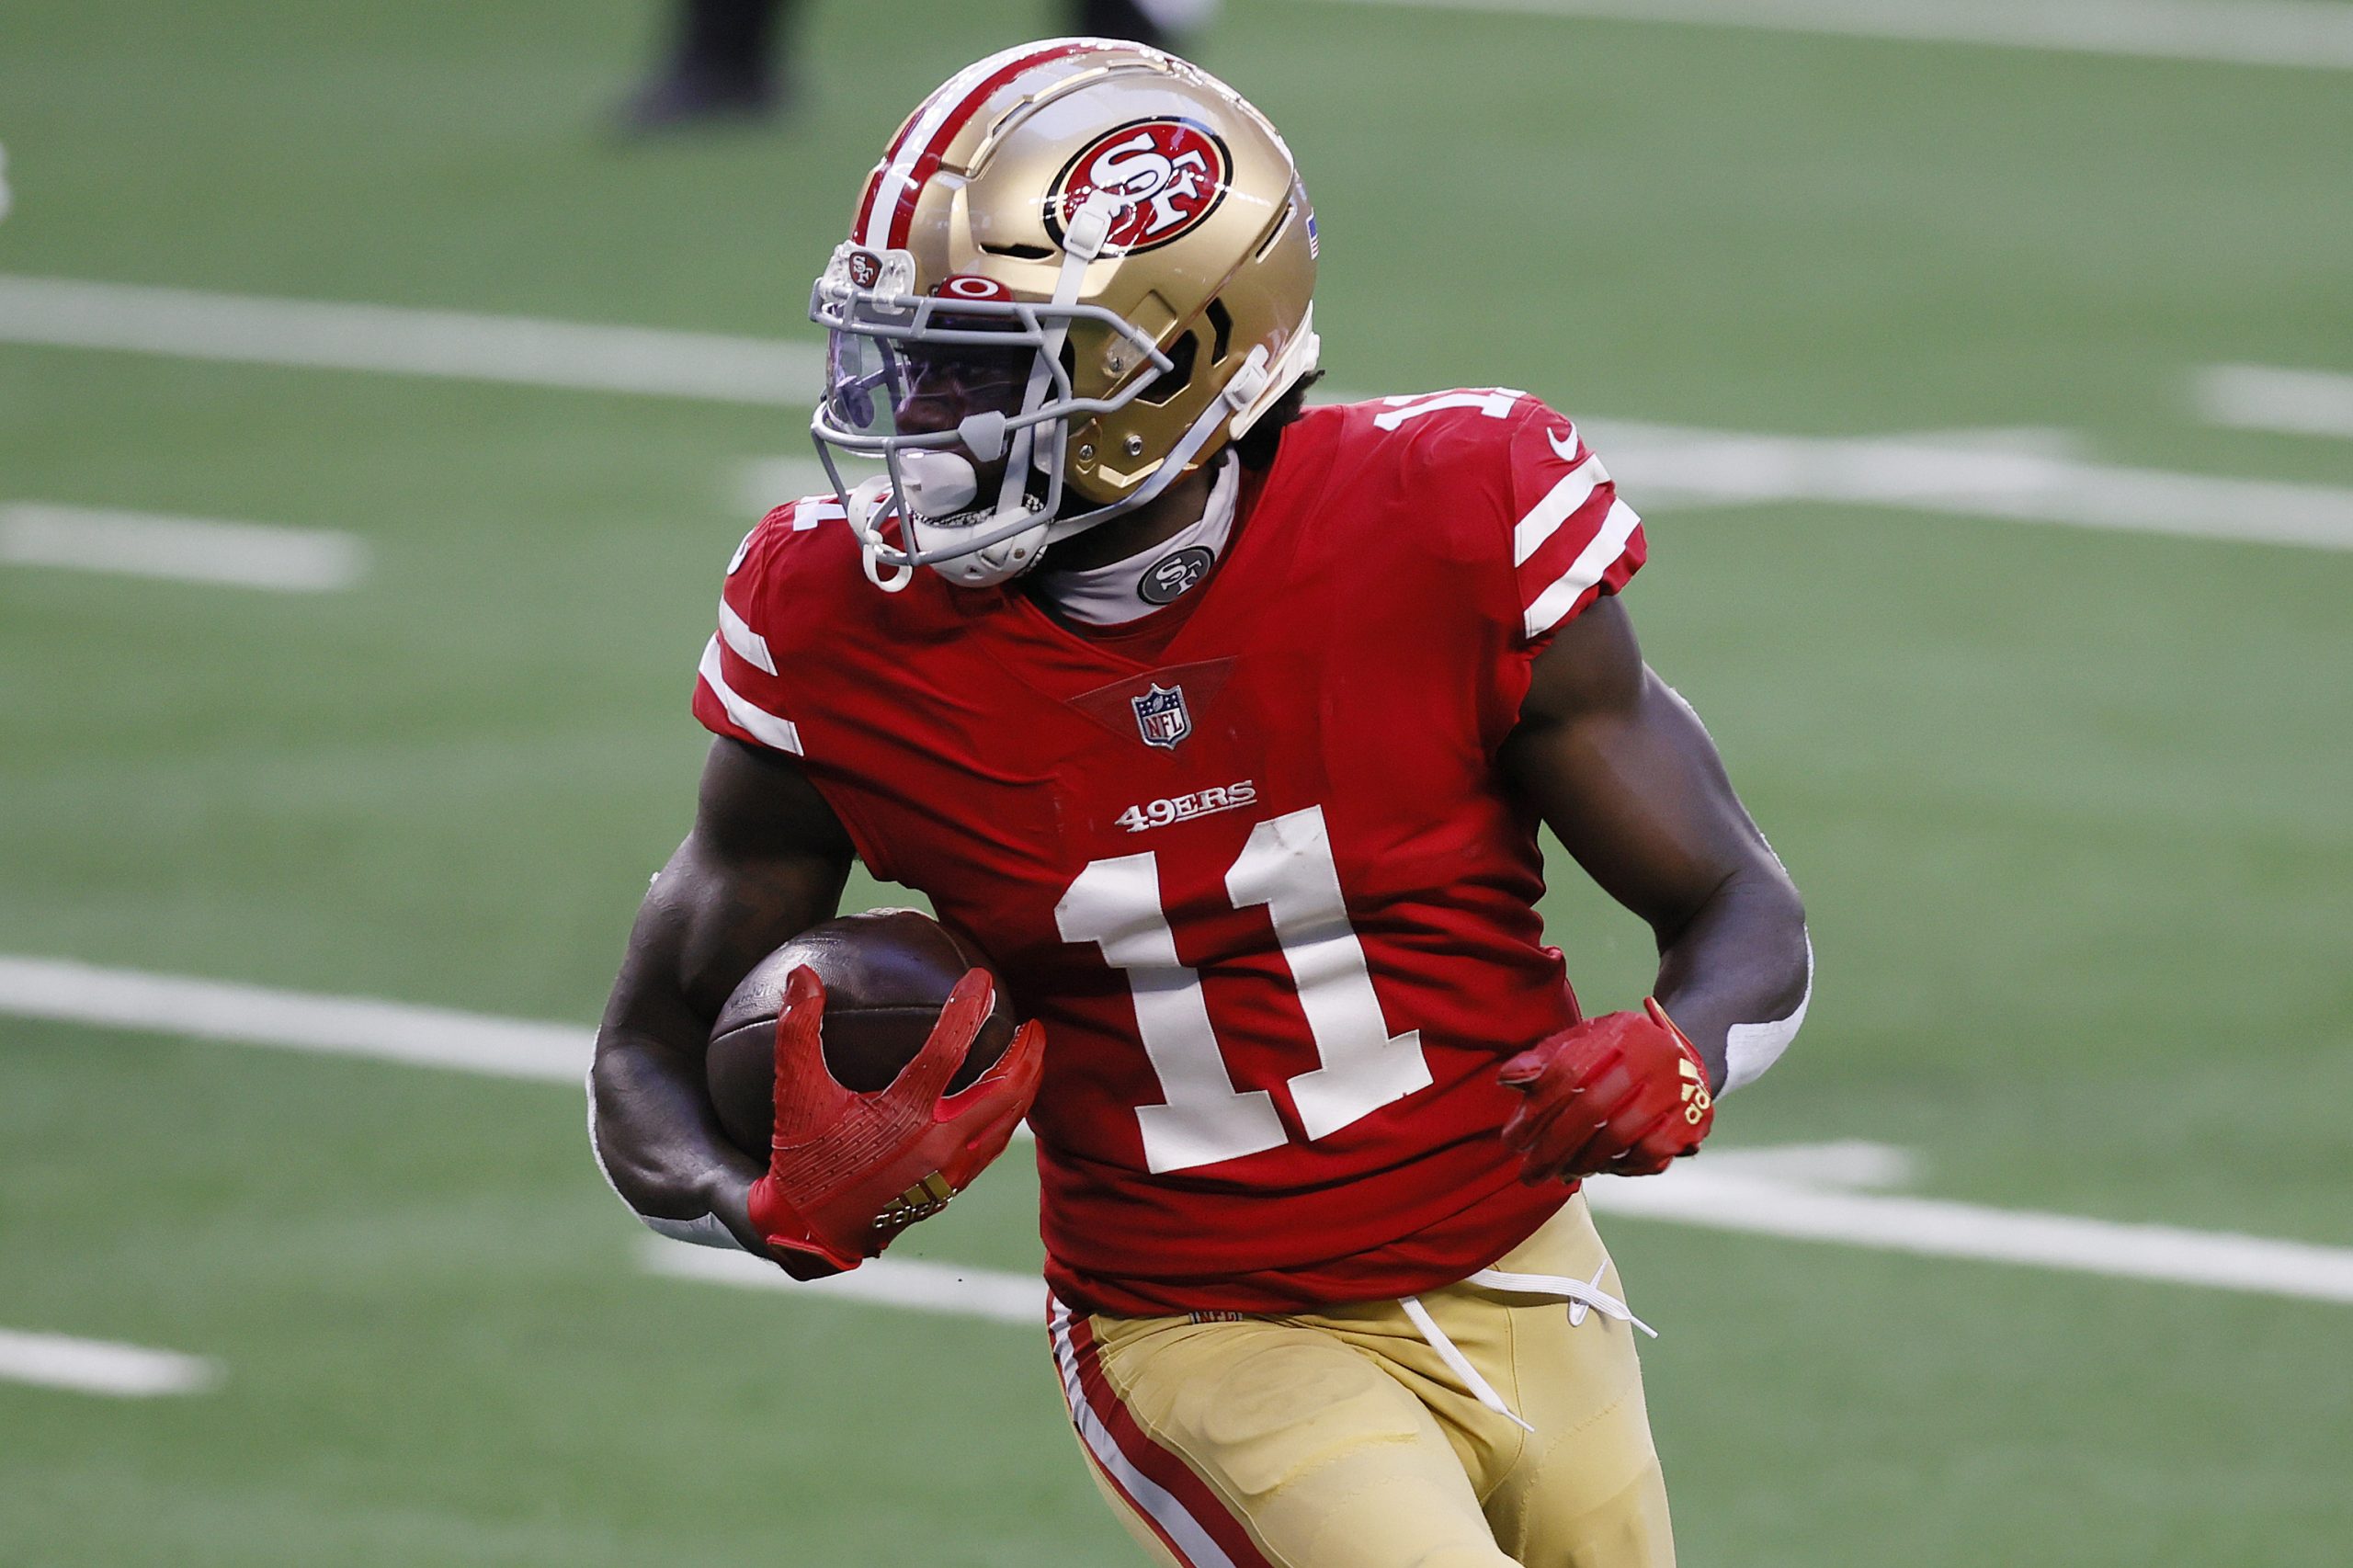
1567 454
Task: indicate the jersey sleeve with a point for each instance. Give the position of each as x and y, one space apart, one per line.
771 675
740 691
1573 539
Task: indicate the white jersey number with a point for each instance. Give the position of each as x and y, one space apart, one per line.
1494 402
1287 866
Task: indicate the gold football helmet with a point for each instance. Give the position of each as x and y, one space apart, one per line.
1080 268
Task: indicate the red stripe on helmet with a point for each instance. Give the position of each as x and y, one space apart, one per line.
927 162
865 200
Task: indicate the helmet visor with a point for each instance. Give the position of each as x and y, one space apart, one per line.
894 386
984 385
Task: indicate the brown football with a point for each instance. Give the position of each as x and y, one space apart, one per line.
887 974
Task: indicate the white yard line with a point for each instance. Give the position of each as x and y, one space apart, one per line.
1792 1191
764 483
1848 1164
2301 33
192 550
1659 464
62 990
915 1283
1809 1191
2028 476
2023 477
2259 397
1696 1194
67 313
100 1367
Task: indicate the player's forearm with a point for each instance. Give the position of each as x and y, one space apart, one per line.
1736 975
650 1119
654 1132
704 924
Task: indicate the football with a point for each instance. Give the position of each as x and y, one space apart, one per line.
887 974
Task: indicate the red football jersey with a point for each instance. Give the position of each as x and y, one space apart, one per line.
1250 860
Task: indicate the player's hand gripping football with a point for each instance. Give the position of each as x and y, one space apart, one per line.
1625 1094
849 1171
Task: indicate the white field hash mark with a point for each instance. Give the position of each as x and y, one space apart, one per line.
101 1367
189 550
1817 1192
2308 34
2259 397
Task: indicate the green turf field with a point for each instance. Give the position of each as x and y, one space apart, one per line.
2074 810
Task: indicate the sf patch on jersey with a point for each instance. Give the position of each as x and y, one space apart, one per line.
1250 862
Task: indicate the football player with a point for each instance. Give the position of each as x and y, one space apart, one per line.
1225 725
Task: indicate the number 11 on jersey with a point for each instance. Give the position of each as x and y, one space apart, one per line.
1288 866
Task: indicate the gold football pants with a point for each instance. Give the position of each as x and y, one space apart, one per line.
1344 1438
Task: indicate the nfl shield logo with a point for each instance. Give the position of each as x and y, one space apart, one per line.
1161 717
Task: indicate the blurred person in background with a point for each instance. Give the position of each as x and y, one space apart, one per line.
726 64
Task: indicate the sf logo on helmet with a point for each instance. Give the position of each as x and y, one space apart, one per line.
1168 174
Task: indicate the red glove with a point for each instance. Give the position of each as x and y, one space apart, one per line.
1625 1094
847 1171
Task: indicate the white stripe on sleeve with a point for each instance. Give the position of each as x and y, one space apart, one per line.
763 726
1560 503
749 645
1586 570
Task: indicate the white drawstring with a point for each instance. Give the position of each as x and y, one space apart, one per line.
1580 1294
1458 1363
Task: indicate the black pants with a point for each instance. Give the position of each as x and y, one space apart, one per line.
735 41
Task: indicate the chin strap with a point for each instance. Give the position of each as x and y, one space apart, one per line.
867 506
1083 240
1262 381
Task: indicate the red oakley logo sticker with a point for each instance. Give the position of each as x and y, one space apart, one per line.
1167 175
971 285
